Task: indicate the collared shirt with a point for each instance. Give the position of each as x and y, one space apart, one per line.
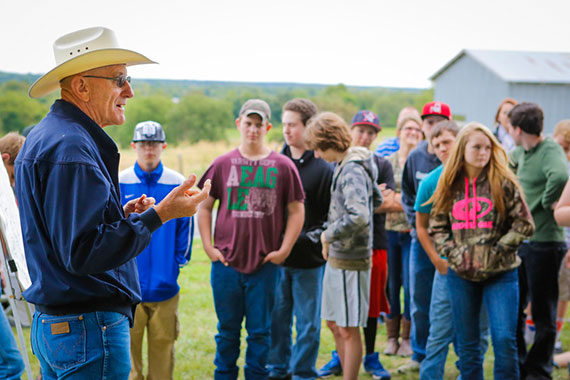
79 245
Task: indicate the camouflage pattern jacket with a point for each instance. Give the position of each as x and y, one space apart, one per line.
477 242
354 197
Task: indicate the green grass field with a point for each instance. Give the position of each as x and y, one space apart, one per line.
195 347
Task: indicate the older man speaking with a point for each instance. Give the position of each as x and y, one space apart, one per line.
80 242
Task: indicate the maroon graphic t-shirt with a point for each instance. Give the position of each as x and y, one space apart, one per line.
252 213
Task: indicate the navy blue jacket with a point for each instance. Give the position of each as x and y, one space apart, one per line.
79 246
418 165
171 245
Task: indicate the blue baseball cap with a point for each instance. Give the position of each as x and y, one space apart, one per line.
365 117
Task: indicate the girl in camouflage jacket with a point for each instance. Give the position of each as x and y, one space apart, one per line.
478 221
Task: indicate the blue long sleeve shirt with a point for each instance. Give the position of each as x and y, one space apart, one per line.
171 245
80 247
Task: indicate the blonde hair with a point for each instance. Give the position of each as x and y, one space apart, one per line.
497 171
405 119
562 129
11 144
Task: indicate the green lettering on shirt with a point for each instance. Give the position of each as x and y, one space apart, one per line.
259 180
239 204
271 177
242 193
245 170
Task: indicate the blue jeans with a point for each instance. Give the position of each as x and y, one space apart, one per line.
11 363
442 332
82 346
500 294
538 283
238 295
421 280
399 272
298 294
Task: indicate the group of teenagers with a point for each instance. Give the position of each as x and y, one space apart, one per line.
464 226
316 232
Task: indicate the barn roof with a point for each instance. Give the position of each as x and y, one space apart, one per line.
519 66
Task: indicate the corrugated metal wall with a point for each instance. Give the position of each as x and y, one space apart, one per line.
475 92
553 99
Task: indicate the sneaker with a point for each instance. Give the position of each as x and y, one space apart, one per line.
409 366
332 368
373 366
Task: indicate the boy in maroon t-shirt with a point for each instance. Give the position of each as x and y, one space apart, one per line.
260 216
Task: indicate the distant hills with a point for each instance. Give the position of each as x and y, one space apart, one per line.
203 84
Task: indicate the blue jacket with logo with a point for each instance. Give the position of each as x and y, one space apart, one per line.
171 245
79 245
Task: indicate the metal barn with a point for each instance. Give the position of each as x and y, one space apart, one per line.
474 82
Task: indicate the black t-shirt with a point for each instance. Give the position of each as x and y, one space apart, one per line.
385 175
316 177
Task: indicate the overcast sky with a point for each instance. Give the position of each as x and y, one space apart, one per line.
370 43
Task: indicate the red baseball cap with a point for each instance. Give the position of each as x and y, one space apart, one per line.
436 108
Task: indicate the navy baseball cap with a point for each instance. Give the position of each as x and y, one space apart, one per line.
149 131
365 117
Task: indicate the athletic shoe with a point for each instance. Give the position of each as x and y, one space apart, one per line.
373 366
332 368
409 366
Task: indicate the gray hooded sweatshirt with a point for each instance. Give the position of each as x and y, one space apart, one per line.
354 197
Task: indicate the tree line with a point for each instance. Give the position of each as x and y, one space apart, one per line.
191 111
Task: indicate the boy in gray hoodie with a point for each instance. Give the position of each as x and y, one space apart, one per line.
347 240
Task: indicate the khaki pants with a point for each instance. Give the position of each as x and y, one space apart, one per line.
161 321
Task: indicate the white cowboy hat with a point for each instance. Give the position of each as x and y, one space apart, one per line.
83 50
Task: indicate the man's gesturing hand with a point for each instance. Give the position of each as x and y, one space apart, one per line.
138 205
182 200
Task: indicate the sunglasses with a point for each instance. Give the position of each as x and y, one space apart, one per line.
120 80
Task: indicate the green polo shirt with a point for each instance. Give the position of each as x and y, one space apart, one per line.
542 173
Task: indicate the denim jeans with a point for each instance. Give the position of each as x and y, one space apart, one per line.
82 346
399 272
421 280
500 294
298 294
238 295
538 281
442 331
11 363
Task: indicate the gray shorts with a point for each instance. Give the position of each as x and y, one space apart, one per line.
346 296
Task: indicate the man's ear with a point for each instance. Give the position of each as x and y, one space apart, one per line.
6 157
80 88
237 123
268 127
164 145
133 145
